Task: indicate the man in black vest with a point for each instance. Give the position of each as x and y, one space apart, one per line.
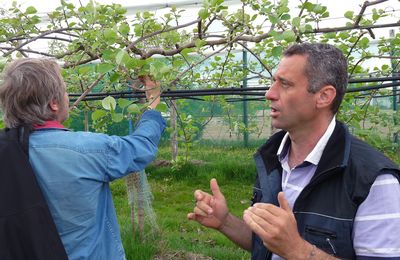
320 193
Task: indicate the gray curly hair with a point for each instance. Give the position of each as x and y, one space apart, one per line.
27 88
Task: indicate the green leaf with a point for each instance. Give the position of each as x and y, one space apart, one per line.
110 35
289 36
133 109
109 103
133 63
122 102
344 35
162 107
318 9
137 29
285 17
216 2
173 37
186 51
349 15
31 10
330 35
85 69
108 55
204 14
199 43
124 29
115 77
277 36
376 16
273 19
308 28
277 51
122 57
104 67
308 6
178 63
117 117
296 21
364 42
97 114
385 67
165 69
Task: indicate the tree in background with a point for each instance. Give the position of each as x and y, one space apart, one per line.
102 49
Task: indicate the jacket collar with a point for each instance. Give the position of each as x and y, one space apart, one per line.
50 125
336 152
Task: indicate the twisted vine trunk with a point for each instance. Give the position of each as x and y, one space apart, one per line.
174 133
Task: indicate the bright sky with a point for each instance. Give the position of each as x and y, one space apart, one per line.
337 6
45 6
336 9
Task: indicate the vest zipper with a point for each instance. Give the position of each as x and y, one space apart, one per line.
320 232
332 246
324 233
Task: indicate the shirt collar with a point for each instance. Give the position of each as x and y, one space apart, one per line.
315 155
50 125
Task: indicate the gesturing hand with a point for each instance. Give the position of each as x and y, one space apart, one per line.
210 210
277 227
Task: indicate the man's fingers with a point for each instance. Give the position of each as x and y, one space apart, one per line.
263 213
215 189
204 207
199 195
195 217
283 203
191 216
272 209
255 223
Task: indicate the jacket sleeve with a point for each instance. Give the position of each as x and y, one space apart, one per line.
134 152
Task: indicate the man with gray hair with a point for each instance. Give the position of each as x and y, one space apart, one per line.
320 192
74 169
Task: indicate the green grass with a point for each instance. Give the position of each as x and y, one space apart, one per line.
173 189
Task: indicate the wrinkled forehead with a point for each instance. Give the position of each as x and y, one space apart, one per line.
292 66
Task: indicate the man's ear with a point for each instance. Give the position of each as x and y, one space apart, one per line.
326 95
54 106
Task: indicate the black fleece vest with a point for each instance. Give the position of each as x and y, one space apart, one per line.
27 230
326 208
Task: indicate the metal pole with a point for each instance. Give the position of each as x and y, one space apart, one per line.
394 89
244 85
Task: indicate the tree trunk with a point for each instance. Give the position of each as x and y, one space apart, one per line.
174 133
86 121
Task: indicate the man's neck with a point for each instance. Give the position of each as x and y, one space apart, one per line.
305 139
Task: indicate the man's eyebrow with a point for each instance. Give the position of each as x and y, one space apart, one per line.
283 80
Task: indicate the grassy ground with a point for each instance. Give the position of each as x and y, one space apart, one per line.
173 189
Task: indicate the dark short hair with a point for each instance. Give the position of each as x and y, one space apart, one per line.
326 65
27 88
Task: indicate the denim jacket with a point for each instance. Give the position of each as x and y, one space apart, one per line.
74 170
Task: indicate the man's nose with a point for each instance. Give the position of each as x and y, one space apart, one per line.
270 93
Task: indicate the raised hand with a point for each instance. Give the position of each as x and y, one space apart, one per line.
152 89
210 210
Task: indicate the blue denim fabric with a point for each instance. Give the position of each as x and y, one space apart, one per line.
74 170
